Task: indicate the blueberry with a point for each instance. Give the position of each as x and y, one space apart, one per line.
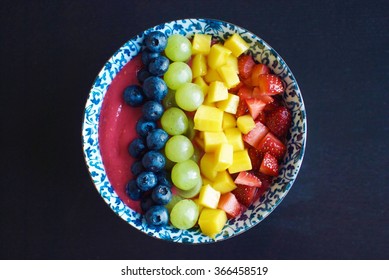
137 147
146 180
161 194
137 168
133 191
159 65
156 139
152 110
133 95
147 55
142 75
155 88
157 215
155 41
153 161
143 127
146 202
164 178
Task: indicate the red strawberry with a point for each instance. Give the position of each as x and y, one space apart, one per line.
265 179
245 194
269 84
269 165
255 106
271 144
230 204
248 179
278 121
245 66
255 157
242 108
255 136
244 92
261 117
257 70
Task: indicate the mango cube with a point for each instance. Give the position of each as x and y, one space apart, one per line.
212 221
212 140
207 166
232 61
245 123
236 44
202 84
234 137
199 65
208 118
230 105
198 204
223 156
229 120
217 91
201 43
212 75
218 56
209 197
241 162
229 75
224 183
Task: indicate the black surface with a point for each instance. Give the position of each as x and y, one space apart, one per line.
51 51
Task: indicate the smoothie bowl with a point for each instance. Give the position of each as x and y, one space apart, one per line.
212 153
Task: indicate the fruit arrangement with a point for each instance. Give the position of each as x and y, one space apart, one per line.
212 132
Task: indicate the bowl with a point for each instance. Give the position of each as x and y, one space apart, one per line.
118 72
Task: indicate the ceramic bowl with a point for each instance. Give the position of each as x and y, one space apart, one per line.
263 53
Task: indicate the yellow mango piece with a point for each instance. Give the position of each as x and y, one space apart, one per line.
206 181
230 105
223 156
229 76
207 166
212 221
217 56
241 162
201 207
209 197
245 123
229 120
212 75
199 65
217 91
208 118
232 61
236 44
202 84
234 137
212 140
224 183
201 43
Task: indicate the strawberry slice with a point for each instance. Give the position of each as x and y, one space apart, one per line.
245 66
230 204
255 157
257 70
278 121
255 136
248 179
265 179
244 93
255 106
269 165
269 84
245 194
271 144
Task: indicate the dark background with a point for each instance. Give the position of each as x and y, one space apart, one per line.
51 52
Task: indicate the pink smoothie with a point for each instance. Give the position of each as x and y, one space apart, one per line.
117 130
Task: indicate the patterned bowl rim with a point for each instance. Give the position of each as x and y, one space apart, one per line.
259 210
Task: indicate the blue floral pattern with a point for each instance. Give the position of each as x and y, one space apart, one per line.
263 53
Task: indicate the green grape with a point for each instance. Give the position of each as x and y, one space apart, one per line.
179 148
186 175
174 121
168 163
196 155
169 100
178 48
184 214
172 202
189 97
177 74
192 192
190 132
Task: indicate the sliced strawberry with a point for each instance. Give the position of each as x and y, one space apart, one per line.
261 117
247 81
242 108
245 194
255 106
255 136
230 204
271 144
257 70
269 84
264 97
245 66
265 179
236 88
248 179
278 121
269 165
245 92
255 157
